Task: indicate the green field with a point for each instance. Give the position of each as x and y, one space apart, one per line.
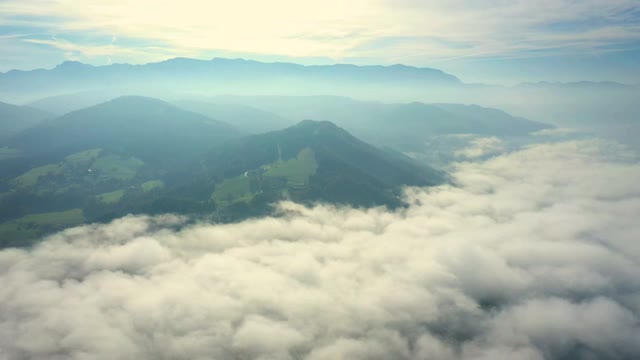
8 153
233 190
152 185
31 177
34 225
278 176
60 218
110 197
103 168
117 167
83 157
297 171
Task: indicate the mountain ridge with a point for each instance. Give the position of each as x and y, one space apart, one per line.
70 64
228 180
17 118
123 121
219 75
74 64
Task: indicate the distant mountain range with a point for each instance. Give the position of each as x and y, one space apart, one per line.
70 72
218 74
579 85
248 119
396 125
401 126
146 127
566 104
182 74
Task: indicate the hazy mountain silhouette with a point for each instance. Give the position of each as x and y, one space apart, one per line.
189 74
571 104
246 118
14 119
66 103
393 124
145 127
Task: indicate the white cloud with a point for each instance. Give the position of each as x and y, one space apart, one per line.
383 31
533 256
558 132
480 147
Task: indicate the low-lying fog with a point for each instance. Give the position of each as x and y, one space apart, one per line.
532 254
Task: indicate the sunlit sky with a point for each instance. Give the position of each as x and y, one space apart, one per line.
492 41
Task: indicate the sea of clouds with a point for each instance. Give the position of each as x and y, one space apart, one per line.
533 254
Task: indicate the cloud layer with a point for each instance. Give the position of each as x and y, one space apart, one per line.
533 255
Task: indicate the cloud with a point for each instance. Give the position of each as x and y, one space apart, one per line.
558 132
481 147
79 51
417 32
533 255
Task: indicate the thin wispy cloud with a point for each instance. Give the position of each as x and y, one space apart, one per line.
78 51
379 31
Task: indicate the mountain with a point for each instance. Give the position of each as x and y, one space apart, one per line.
14 119
344 169
396 125
313 161
577 104
465 119
607 85
246 118
224 75
66 103
418 127
147 128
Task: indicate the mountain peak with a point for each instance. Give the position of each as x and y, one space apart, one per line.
130 105
137 100
317 127
317 124
71 64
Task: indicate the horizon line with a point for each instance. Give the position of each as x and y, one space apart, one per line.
541 82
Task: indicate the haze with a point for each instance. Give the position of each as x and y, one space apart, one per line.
319 180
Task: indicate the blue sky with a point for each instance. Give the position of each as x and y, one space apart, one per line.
492 41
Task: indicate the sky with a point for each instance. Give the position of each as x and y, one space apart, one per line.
492 41
534 255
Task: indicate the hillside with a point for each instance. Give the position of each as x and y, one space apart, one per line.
14 119
145 127
246 118
313 161
347 170
458 119
66 103
396 125
403 126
